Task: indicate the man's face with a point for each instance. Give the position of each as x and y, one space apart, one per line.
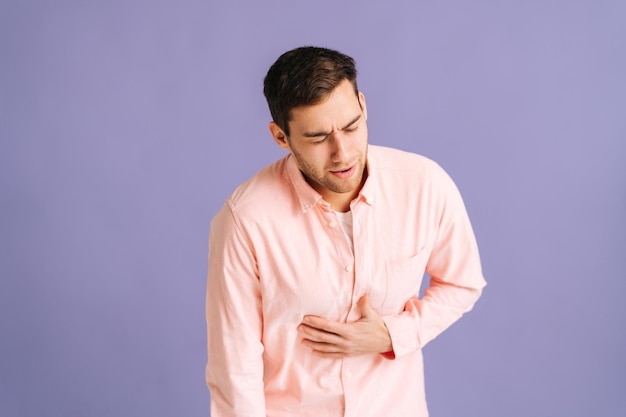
329 142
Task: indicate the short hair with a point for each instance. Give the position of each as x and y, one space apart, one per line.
305 76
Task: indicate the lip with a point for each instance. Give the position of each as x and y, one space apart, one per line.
343 174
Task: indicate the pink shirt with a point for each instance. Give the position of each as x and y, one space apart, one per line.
277 252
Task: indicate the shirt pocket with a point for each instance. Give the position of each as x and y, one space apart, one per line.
403 280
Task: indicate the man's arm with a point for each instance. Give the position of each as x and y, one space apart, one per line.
456 276
234 371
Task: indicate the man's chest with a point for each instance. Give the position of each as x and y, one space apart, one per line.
309 263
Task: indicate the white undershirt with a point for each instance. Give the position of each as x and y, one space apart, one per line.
345 219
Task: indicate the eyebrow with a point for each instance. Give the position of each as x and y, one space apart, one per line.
321 134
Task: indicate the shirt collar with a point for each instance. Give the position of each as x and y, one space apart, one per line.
308 197
368 192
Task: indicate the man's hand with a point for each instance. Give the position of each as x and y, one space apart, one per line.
335 340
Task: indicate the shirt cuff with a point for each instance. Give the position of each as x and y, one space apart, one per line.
404 335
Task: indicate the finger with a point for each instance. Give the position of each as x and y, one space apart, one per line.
324 347
322 324
364 306
316 335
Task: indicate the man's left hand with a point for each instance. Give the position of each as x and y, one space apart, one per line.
335 340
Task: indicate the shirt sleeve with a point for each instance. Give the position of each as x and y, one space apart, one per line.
456 275
234 371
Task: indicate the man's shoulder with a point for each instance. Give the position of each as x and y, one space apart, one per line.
398 173
396 160
262 189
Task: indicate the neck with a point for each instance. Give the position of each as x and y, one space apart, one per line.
343 205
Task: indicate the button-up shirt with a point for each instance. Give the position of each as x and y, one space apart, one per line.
277 252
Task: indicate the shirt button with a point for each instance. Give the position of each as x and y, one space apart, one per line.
348 268
349 374
332 224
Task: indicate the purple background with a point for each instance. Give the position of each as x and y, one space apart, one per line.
125 124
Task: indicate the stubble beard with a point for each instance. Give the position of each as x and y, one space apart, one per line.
327 180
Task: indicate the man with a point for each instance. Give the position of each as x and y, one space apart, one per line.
315 263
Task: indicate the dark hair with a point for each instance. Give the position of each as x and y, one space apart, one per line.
305 76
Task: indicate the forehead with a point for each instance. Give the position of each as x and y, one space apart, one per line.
338 108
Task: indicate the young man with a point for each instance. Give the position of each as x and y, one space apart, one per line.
315 263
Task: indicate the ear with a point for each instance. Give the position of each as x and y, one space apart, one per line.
279 136
362 104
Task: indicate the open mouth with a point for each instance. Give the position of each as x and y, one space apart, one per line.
345 173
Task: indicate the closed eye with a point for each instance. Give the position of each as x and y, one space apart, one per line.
350 127
318 142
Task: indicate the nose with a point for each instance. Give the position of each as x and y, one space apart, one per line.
339 150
